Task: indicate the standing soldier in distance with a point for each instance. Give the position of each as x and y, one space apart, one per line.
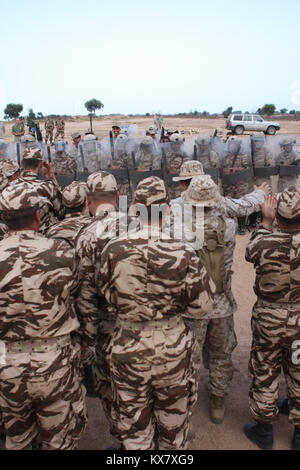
288 157
275 317
49 128
60 128
40 392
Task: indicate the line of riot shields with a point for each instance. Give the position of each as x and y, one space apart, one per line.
235 165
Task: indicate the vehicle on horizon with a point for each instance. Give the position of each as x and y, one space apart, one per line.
238 123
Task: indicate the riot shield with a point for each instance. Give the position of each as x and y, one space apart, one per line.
263 160
174 154
287 158
208 151
8 150
64 166
91 151
237 169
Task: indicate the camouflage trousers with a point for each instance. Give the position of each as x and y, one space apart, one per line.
60 132
40 395
274 329
218 338
238 190
154 386
101 371
285 181
49 135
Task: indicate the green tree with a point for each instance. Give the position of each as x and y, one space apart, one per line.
92 106
283 111
12 111
227 112
293 111
40 115
268 109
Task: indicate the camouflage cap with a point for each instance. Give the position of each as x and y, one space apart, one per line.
19 196
147 140
27 138
151 190
74 194
101 182
33 152
288 203
189 169
202 192
116 124
172 130
287 141
89 137
8 167
75 135
176 138
202 139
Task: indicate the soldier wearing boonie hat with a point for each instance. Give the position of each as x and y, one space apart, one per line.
37 318
9 170
153 281
74 200
93 312
216 230
275 317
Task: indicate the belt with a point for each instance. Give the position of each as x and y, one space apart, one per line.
40 345
285 305
150 325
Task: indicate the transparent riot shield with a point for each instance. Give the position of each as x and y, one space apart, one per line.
64 166
237 169
263 160
287 158
209 152
148 162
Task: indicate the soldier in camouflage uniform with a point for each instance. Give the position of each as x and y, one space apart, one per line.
151 281
74 147
60 128
64 166
122 160
206 155
275 317
49 128
147 157
51 209
96 317
217 225
288 156
74 201
173 157
91 151
236 160
40 392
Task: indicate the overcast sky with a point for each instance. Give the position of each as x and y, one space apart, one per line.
138 56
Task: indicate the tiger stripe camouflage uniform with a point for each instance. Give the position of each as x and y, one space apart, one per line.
60 129
40 393
150 282
96 317
52 209
8 169
276 314
217 327
73 197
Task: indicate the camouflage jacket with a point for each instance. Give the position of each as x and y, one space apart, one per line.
242 161
69 227
122 160
63 164
229 208
89 243
92 160
275 256
52 210
209 159
49 125
3 230
60 124
284 158
174 161
263 158
148 161
148 278
37 284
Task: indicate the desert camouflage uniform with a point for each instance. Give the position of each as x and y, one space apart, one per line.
174 160
64 165
263 158
150 282
215 330
7 168
122 160
147 159
209 159
60 129
39 380
287 158
275 322
49 128
92 154
242 187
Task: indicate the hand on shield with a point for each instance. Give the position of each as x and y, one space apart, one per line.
264 187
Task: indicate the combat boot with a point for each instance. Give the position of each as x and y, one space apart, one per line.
296 439
242 225
261 434
283 407
217 409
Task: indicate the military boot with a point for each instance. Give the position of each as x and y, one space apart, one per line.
261 434
242 225
283 407
217 409
296 439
